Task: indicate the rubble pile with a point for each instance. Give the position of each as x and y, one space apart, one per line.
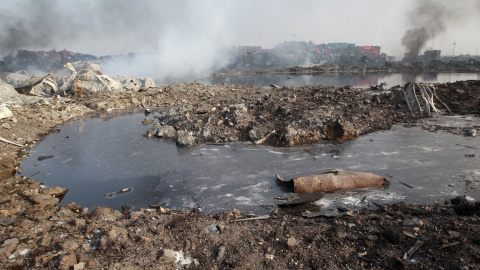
78 77
277 116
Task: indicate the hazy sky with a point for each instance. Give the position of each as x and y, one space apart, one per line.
195 28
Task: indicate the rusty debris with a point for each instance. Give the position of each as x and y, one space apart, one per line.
336 180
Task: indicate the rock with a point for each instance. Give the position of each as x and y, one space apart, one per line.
43 259
46 241
118 233
185 262
56 192
470 132
79 266
292 242
79 222
67 260
7 168
5 112
106 214
185 138
43 199
69 245
238 107
148 121
160 131
5 221
221 252
8 246
414 222
7 91
166 132
147 82
175 256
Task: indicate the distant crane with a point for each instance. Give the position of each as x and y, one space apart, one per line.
294 37
453 53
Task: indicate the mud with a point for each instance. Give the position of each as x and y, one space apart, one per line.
35 233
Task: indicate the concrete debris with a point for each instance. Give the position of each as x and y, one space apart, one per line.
336 180
117 193
338 129
185 138
7 92
5 112
414 222
5 221
382 87
39 86
87 81
16 79
77 77
135 84
8 246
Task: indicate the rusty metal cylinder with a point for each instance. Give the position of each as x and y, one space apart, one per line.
337 180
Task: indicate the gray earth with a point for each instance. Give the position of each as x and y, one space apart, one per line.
35 233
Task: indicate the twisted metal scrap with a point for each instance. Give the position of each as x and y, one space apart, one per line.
423 101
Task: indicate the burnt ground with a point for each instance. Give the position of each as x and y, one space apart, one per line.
35 233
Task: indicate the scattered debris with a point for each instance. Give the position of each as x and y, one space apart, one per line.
470 132
413 249
5 112
40 158
5 221
40 86
300 199
10 142
420 98
253 218
221 252
326 213
407 185
414 222
117 193
292 242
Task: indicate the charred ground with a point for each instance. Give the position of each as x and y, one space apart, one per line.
35 233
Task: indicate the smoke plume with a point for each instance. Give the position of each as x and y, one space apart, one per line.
168 37
430 18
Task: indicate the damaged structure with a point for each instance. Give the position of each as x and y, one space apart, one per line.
77 77
420 98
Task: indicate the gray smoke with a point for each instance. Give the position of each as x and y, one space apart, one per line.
431 18
173 37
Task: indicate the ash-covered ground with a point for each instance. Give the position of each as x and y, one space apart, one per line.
35 233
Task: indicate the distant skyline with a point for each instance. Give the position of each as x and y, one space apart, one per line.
189 33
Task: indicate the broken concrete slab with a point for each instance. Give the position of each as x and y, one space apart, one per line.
5 112
39 86
7 92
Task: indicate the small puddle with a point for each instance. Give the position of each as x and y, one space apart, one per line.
108 162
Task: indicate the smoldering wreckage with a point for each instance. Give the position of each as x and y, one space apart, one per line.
37 233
